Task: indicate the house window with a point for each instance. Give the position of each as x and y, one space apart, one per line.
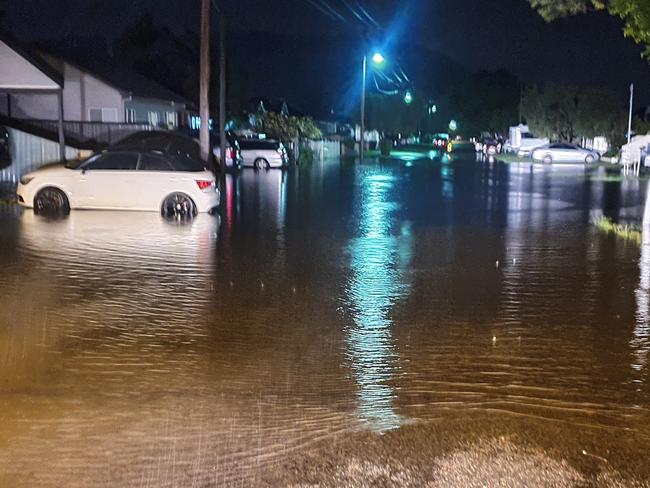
97 114
154 118
129 115
171 119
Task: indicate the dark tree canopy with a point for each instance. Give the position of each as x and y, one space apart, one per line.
635 14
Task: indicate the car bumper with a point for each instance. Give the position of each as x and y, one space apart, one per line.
24 196
207 201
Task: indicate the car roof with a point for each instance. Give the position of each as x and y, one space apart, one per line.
159 141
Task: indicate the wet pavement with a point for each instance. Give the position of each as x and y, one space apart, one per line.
397 323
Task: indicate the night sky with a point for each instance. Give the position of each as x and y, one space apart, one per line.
479 34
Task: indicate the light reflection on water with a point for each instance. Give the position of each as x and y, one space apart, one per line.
379 256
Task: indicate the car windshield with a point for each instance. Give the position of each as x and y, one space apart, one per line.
77 163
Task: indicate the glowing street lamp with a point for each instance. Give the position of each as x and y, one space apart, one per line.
378 59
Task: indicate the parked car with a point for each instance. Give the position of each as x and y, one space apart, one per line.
529 142
263 154
122 179
565 153
234 158
488 145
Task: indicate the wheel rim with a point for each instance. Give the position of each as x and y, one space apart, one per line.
178 206
589 159
49 200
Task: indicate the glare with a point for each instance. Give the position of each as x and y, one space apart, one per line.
408 98
377 58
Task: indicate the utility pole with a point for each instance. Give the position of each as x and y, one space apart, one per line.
204 81
222 87
363 107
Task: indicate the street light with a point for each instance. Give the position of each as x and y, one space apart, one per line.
378 59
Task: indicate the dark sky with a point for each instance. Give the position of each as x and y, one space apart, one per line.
480 34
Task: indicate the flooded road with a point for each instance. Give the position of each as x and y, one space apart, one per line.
405 323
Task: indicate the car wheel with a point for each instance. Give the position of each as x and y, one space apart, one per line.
261 163
589 159
178 206
547 159
51 201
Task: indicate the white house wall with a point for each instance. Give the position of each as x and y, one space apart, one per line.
81 93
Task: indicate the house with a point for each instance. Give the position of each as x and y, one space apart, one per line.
51 109
98 90
104 93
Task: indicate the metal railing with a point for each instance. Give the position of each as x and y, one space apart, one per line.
100 133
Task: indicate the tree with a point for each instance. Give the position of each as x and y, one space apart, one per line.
288 128
563 113
635 15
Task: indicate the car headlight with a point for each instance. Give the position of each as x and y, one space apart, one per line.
26 179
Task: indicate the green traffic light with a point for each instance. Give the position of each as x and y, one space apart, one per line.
408 98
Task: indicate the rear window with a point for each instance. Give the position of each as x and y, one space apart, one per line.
183 163
149 162
258 144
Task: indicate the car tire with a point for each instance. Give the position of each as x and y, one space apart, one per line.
178 206
51 201
261 163
547 159
589 159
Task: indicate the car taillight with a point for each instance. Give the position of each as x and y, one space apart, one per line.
231 153
203 184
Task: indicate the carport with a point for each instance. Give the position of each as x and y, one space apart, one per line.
23 72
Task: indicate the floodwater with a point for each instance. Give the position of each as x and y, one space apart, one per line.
399 323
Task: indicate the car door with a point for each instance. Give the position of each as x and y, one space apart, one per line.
155 178
569 153
106 181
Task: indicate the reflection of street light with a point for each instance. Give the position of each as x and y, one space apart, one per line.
408 98
378 59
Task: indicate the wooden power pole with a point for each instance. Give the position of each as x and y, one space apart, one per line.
204 81
222 86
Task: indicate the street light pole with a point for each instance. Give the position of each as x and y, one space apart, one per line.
363 107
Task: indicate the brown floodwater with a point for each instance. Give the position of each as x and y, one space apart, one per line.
400 323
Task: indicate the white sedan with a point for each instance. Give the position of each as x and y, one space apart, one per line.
172 184
564 153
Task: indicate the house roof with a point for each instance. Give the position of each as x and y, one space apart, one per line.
32 61
111 71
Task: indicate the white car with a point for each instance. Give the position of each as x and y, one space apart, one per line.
173 184
564 153
263 154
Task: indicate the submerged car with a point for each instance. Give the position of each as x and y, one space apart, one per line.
123 179
564 153
263 154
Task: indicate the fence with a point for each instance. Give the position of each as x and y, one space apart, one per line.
100 133
29 152
325 149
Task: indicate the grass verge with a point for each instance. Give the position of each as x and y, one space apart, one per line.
627 232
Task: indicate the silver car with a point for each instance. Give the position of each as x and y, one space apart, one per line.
263 154
563 153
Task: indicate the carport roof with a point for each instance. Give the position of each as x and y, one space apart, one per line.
22 70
